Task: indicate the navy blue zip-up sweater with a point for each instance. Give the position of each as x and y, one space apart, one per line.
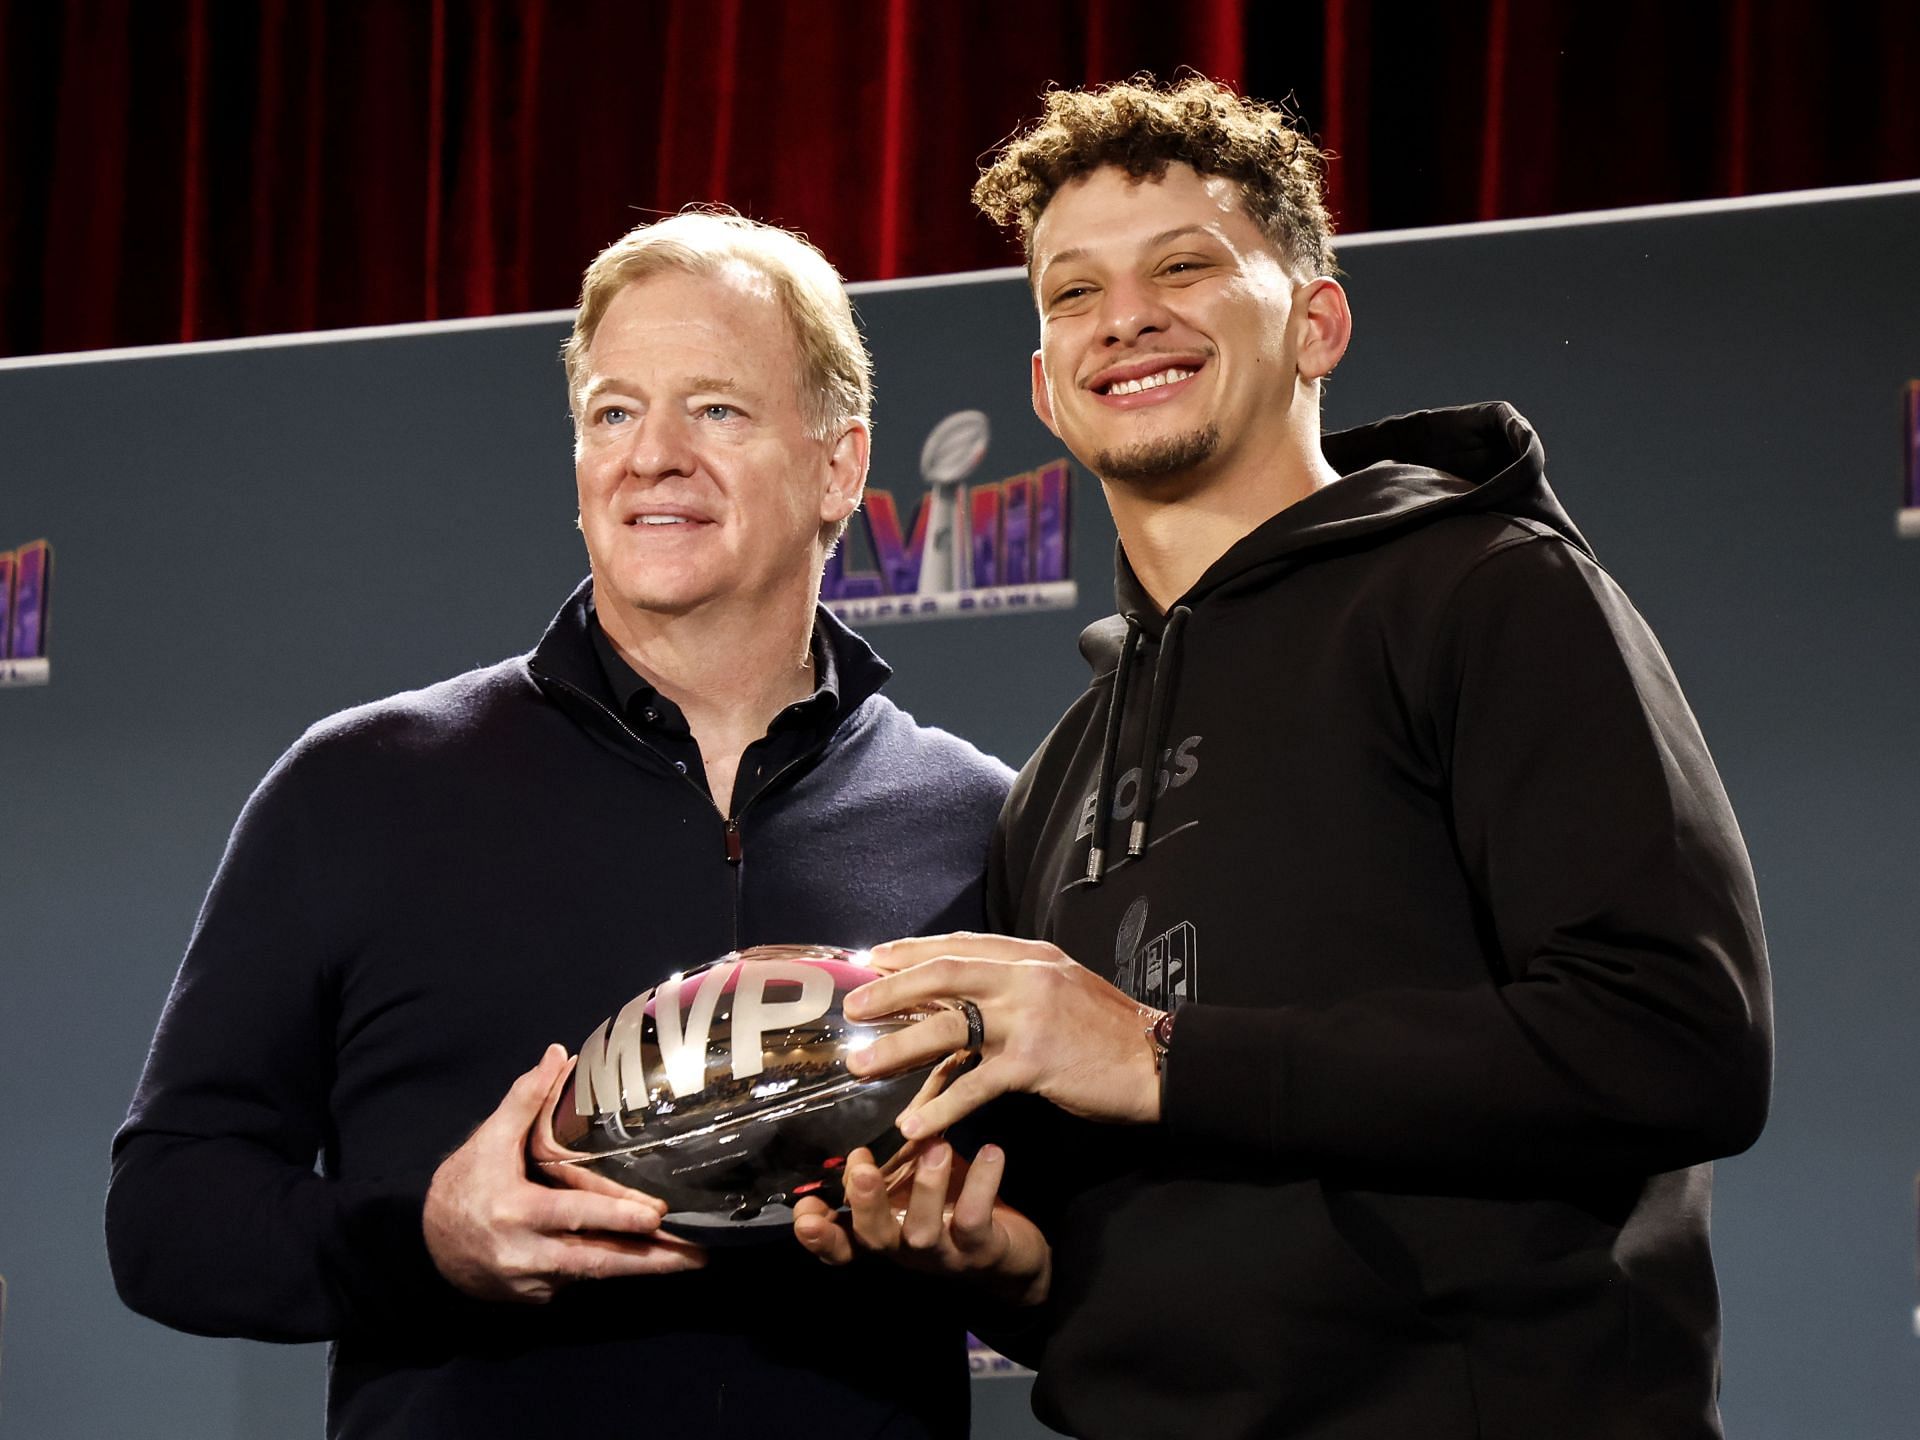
1469 968
420 896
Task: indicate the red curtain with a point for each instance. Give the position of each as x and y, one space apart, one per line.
189 169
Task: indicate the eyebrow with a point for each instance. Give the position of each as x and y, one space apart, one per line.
697 384
1152 242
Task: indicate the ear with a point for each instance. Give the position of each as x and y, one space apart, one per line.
1324 326
1042 401
846 473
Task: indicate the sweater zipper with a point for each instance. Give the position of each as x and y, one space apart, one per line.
734 845
730 825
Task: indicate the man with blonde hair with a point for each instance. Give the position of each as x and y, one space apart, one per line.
1383 902
424 891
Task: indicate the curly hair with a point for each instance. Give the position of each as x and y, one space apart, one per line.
1141 127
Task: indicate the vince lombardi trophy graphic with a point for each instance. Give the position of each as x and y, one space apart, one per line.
953 450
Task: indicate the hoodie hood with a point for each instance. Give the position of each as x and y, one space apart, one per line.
1395 474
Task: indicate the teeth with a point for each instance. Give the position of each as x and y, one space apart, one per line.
1148 382
663 520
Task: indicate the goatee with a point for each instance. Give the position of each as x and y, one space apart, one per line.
1158 459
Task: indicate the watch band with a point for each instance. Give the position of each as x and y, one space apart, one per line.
1159 1033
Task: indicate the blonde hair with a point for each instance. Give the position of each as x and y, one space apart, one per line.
836 373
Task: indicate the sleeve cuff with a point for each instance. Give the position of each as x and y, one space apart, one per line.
1226 1076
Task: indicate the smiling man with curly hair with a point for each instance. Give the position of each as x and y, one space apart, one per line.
1379 895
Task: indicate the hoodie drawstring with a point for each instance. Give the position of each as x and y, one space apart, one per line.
1109 749
1154 738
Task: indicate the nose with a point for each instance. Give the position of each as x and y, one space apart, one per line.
1130 310
660 444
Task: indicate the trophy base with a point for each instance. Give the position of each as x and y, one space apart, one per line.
717 1231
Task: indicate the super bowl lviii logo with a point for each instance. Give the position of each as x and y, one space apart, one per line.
971 549
26 583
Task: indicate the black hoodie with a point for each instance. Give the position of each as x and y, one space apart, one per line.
1469 969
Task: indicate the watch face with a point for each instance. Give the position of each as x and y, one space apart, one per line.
1163 1031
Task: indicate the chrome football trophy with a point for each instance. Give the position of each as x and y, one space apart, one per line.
724 1092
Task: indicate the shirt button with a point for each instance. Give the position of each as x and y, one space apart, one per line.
649 714
681 766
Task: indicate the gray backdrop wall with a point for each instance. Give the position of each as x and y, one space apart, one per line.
250 537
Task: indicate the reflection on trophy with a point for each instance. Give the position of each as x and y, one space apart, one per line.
724 1092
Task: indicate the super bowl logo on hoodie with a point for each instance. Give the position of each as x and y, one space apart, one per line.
26 585
1159 972
984 549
